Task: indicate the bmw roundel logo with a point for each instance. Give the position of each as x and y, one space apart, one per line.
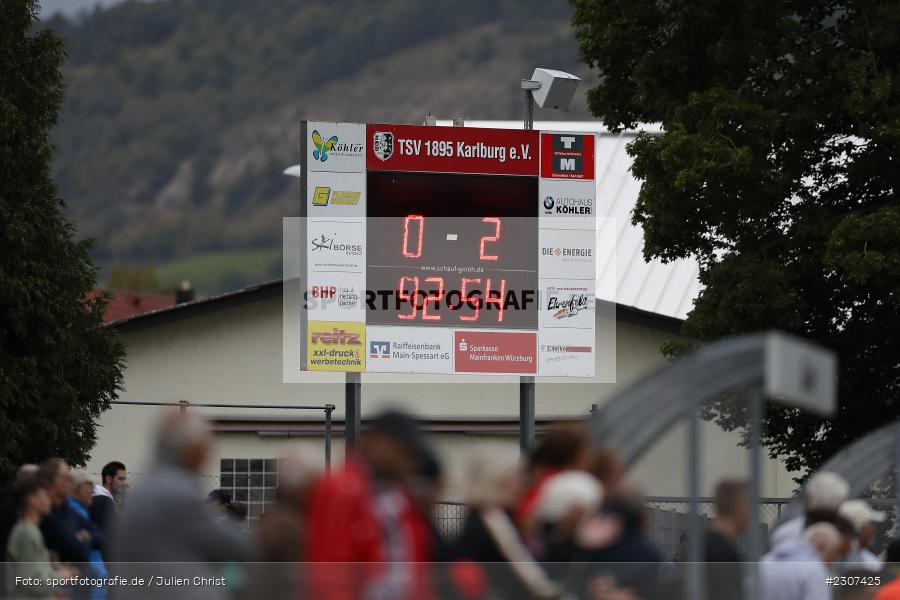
548 202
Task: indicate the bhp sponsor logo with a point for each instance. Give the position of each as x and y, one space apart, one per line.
343 296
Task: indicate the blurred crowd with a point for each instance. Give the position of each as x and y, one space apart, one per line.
564 523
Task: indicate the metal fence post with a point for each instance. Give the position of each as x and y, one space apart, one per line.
329 408
896 478
695 534
754 536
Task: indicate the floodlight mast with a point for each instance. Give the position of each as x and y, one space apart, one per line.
561 86
529 85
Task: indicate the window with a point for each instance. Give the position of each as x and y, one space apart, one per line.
251 481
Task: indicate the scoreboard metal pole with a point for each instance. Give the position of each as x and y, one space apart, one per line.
526 414
352 410
526 383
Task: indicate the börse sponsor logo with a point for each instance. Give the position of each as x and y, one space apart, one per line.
567 205
335 336
383 144
323 196
323 243
324 146
567 306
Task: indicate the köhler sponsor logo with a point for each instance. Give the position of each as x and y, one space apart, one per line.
567 307
325 147
322 243
568 205
383 144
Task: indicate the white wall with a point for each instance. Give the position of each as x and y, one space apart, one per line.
233 355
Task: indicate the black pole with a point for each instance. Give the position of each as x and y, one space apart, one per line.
352 407
329 408
526 415
526 382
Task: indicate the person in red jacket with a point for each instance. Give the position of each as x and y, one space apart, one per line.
366 538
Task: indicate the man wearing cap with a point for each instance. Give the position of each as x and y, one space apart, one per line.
865 521
823 491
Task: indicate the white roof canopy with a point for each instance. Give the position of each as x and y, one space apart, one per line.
665 289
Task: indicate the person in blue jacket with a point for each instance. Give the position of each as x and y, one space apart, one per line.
80 503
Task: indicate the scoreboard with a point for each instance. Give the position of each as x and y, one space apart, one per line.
449 250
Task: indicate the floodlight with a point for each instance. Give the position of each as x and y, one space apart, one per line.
556 90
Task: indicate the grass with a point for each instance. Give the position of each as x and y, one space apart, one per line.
217 272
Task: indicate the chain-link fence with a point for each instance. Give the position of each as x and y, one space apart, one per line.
667 520
667 516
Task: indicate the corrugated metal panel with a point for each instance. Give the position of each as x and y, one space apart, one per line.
666 289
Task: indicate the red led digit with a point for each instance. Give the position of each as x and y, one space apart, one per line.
466 299
490 238
436 299
418 251
401 293
496 298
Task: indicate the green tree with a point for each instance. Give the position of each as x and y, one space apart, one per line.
59 367
777 169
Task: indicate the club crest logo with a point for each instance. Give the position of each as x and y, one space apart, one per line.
383 144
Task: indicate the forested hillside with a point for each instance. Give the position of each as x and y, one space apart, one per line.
181 114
